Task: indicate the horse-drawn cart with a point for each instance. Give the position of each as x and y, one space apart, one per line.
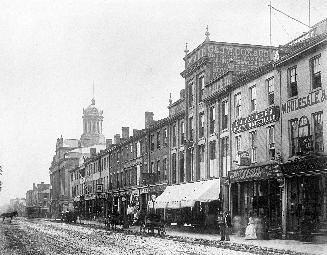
151 222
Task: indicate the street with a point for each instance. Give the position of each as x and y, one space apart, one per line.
37 237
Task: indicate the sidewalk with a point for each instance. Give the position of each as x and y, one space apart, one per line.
287 245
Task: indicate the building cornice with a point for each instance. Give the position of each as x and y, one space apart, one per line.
198 64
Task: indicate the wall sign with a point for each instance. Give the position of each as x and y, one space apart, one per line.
249 174
256 119
312 98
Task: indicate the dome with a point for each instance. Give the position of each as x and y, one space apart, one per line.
92 110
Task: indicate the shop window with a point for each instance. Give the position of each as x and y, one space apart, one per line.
201 87
253 144
224 113
253 98
191 128
318 132
292 81
315 72
212 146
305 139
238 104
212 118
201 125
271 90
271 142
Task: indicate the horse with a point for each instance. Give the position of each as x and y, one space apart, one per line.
8 215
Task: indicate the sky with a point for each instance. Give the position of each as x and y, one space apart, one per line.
52 52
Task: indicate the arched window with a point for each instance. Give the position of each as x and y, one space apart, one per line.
304 127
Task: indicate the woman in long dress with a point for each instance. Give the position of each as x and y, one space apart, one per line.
250 231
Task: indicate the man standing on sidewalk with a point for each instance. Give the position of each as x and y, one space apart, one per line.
221 225
228 225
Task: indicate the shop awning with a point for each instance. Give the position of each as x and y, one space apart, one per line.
185 195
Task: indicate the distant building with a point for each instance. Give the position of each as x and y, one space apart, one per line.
69 153
18 204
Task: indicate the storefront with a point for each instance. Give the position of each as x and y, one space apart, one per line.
255 191
306 183
195 203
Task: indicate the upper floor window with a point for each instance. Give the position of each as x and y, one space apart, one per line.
238 143
316 72
271 142
253 98
212 119
238 104
190 93
224 113
212 150
318 132
158 140
201 87
191 127
182 132
293 126
158 171
165 134
253 144
152 142
174 136
292 81
164 168
201 125
271 90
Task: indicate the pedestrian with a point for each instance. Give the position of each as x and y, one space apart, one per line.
251 232
221 225
228 225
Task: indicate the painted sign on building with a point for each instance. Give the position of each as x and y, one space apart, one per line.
312 98
257 119
249 174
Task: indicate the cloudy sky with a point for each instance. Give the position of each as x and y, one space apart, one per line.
51 52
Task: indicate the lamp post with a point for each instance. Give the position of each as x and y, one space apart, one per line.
153 199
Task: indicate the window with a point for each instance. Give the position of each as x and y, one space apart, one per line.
201 87
292 81
152 142
182 132
191 127
316 72
253 98
271 142
174 136
201 125
253 144
237 104
318 132
224 111
165 137
305 139
190 93
271 90
152 167
238 143
294 136
212 146
212 119
224 154
173 164
164 168
158 171
158 140
181 166
201 153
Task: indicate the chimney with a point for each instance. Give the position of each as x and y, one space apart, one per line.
93 152
42 182
108 143
34 186
125 132
136 132
117 138
182 94
148 119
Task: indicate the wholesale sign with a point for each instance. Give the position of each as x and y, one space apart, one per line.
257 119
250 174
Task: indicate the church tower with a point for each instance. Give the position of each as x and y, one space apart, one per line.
92 126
